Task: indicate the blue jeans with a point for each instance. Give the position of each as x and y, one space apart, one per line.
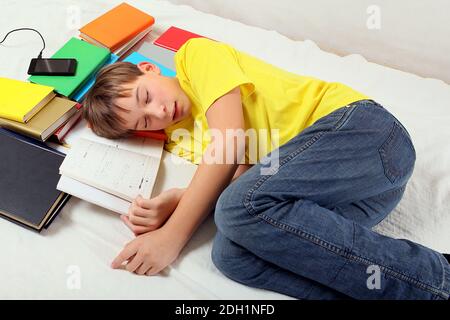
305 230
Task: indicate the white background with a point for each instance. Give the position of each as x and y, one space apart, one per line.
414 34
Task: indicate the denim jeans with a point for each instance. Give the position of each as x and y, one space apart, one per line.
305 230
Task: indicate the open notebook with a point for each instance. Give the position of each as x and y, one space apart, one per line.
124 168
174 172
111 173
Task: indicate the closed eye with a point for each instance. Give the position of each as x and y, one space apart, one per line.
147 100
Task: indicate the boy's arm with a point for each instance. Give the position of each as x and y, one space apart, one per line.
240 170
210 180
151 252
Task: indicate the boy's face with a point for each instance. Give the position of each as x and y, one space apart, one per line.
156 101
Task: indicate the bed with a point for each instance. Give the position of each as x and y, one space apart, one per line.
71 259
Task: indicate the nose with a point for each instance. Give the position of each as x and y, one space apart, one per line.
161 112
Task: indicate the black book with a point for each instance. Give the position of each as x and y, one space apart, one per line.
61 204
29 173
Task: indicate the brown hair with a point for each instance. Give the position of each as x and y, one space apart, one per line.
99 106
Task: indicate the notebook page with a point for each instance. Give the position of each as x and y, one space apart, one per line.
123 173
142 145
174 172
93 195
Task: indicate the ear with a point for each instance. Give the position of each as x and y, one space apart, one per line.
146 67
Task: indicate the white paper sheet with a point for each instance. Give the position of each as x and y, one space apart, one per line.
123 173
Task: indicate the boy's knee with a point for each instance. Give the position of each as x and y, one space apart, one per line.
228 208
221 255
230 261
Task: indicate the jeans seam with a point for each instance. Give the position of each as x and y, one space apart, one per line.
387 193
390 192
345 253
393 273
345 117
383 155
389 172
442 286
346 260
310 237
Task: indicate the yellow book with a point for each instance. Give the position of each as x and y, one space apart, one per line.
20 100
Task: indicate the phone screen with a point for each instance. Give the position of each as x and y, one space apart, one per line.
54 66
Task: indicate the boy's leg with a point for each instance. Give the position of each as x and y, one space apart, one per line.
243 266
336 179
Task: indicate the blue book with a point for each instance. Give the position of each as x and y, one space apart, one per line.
79 95
136 57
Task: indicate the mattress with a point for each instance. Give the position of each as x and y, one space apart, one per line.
71 259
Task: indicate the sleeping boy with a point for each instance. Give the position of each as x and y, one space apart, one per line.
301 227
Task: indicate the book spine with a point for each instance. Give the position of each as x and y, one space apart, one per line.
21 129
30 141
86 80
165 47
64 129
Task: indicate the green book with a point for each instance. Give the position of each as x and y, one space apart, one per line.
90 58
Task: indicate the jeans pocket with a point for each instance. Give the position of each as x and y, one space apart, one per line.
398 155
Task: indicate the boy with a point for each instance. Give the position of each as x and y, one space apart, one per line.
301 227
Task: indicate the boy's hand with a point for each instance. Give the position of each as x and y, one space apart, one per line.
145 215
149 253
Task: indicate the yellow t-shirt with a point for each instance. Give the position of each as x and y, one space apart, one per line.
276 103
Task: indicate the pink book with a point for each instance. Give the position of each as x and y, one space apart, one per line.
173 38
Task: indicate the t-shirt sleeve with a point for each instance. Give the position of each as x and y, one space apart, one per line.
212 70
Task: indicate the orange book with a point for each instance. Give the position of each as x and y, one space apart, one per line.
117 27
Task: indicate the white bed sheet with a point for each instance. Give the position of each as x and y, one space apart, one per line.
84 239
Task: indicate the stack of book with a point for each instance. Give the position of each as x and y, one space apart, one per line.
30 114
119 29
89 58
32 109
46 107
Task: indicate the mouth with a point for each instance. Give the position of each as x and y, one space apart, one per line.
174 115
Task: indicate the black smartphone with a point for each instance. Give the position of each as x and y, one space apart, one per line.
52 67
